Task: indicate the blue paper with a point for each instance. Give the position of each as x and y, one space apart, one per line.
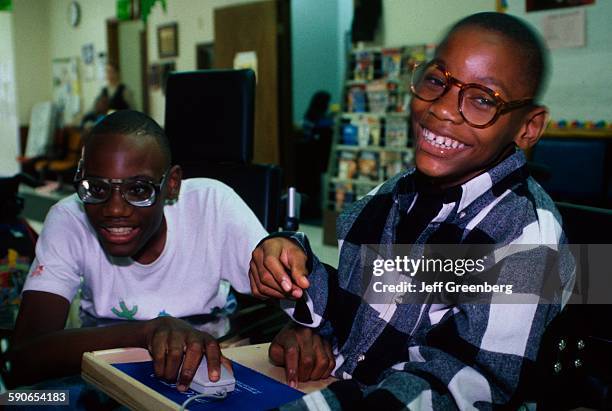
254 391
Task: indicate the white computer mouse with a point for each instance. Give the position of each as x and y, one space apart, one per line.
224 385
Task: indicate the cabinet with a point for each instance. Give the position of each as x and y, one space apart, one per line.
372 141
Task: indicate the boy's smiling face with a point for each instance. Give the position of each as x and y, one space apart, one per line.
474 55
125 230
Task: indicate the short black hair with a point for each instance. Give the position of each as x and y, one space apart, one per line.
132 122
530 44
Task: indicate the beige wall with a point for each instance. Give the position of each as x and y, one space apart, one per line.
66 41
32 54
8 106
572 93
130 58
417 22
42 33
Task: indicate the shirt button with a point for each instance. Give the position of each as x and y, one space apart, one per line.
360 358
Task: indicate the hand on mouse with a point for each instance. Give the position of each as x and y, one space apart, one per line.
172 342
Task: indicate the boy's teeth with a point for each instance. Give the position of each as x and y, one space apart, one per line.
119 230
441 141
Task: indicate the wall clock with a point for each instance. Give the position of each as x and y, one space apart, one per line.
74 13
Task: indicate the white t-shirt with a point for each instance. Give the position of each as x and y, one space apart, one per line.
211 234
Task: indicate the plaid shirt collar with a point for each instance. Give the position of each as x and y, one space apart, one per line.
497 178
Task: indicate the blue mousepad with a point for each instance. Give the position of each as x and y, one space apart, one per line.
254 391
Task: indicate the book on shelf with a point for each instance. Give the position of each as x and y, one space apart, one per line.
396 132
416 55
364 130
394 162
367 166
373 139
392 62
343 194
347 165
356 99
349 132
387 62
378 96
364 65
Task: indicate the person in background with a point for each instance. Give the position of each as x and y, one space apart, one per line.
313 145
119 96
317 121
113 97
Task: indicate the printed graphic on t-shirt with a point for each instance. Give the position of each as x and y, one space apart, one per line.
125 313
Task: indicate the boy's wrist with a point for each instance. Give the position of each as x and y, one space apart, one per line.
145 331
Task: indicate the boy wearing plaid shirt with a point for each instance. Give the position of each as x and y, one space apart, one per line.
472 107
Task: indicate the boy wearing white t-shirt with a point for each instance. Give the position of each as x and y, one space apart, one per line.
141 245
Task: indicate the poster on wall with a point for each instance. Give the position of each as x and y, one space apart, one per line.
537 5
564 29
66 89
88 57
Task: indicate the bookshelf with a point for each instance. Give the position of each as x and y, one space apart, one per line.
372 141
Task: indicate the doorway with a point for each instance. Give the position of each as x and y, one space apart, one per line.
268 44
127 47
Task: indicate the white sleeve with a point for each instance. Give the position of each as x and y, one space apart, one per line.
242 233
56 266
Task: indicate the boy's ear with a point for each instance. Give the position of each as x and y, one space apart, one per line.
175 175
535 122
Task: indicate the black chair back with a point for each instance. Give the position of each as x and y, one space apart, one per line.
209 123
575 358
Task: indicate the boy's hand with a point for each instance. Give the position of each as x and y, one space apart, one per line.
173 342
278 269
304 354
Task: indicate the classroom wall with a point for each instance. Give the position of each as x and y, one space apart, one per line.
42 33
9 133
131 58
423 21
66 41
32 54
318 30
578 84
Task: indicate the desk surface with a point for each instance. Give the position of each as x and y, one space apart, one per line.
97 370
256 357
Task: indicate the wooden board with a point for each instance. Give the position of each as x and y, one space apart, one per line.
97 369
